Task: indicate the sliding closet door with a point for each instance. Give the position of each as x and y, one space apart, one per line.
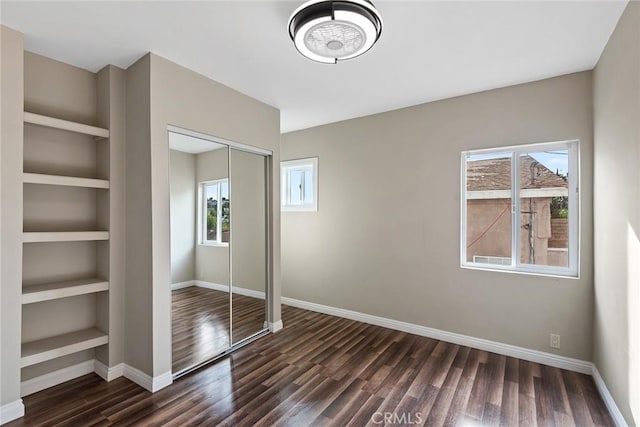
248 243
200 252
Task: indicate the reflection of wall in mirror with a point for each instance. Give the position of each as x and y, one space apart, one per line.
248 231
183 226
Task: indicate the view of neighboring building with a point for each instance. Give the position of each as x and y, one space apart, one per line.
543 216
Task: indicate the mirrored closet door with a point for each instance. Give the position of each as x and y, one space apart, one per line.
218 197
249 244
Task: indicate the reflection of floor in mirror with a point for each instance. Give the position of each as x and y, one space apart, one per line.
200 323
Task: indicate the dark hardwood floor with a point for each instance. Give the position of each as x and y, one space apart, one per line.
200 323
323 370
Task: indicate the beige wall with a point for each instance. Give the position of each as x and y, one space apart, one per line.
139 279
162 93
617 214
212 165
11 130
183 216
379 245
184 98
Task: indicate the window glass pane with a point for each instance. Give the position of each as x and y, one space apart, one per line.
488 204
299 185
308 186
544 208
225 211
296 183
211 198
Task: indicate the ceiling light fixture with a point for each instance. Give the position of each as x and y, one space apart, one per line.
332 31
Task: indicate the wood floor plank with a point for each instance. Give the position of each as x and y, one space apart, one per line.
326 371
579 408
544 406
509 406
478 397
441 405
364 415
458 404
526 394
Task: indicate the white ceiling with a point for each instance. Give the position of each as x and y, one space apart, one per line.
428 50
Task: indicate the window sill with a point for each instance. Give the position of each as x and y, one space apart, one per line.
497 269
308 208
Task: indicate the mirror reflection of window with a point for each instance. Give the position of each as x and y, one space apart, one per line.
216 206
211 197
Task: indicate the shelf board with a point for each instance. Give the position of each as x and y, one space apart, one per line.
63 236
52 122
49 291
61 345
71 181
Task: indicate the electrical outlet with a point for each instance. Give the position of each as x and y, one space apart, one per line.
554 340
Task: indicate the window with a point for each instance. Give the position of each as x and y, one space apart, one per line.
214 212
299 180
520 209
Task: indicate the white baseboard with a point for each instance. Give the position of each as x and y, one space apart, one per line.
50 379
106 373
275 326
11 411
468 341
137 376
181 285
211 285
225 288
161 381
608 399
147 382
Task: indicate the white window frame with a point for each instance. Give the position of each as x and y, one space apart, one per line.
285 185
202 213
572 271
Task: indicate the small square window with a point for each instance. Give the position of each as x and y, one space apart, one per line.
299 179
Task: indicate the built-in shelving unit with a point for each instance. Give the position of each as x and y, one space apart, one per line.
50 229
61 345
50 291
